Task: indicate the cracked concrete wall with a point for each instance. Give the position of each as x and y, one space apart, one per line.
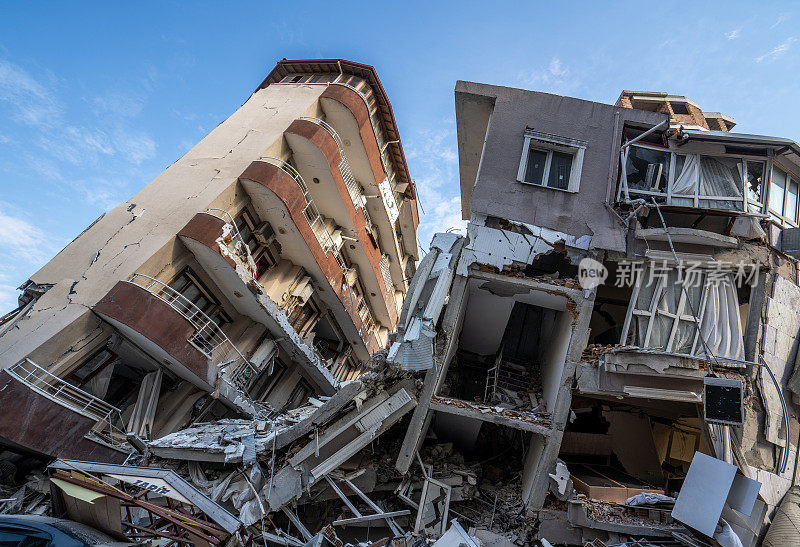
497 191
118 244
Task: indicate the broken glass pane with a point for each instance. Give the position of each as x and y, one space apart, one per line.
647 169
755 182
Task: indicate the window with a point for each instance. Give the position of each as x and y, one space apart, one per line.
783 195
661 314
194 292
725 182
301 315
679 109
551 161
299 395
647 169
91 367
247 225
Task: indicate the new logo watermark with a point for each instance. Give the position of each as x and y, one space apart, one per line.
591 273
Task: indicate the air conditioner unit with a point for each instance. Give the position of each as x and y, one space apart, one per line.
264 233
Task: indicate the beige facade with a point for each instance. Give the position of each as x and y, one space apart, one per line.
264 266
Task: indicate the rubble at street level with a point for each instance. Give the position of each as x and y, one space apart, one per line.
251 351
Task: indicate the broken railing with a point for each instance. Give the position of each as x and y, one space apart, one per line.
73 398
208 336
234 236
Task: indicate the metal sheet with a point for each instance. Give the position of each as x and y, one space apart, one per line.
703 493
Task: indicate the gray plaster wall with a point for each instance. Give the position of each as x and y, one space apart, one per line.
496 191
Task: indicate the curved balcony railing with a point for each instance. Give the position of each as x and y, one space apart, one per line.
310 212
65 394
376 130
344 166
234 241
323 235
208 336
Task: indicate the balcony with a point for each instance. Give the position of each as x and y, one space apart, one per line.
281 197
170 328
344 168
44 414
317 157
728 183
348 110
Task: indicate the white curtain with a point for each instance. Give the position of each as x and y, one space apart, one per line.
720 179
721 327
686 182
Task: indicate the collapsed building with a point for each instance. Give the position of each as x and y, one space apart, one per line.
263 267
608 353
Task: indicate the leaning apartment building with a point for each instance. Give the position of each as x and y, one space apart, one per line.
262 267
254 329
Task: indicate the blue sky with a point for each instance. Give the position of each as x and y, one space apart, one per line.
96 99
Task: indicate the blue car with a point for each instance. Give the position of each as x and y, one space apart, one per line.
40 531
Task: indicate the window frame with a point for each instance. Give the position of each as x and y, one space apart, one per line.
624 191
548 143
683 311
781 217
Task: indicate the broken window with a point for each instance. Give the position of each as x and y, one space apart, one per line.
647 170
682 310
691 180
755 185
551 161
257 236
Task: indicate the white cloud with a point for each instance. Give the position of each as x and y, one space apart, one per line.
31 102
22 241
433 161
126 105
134 146
781 18
8 294
556 77
25 248
777 51
734 34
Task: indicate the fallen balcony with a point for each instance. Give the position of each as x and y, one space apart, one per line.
44 414
644 373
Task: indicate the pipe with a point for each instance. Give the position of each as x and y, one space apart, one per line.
785 415
643 135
